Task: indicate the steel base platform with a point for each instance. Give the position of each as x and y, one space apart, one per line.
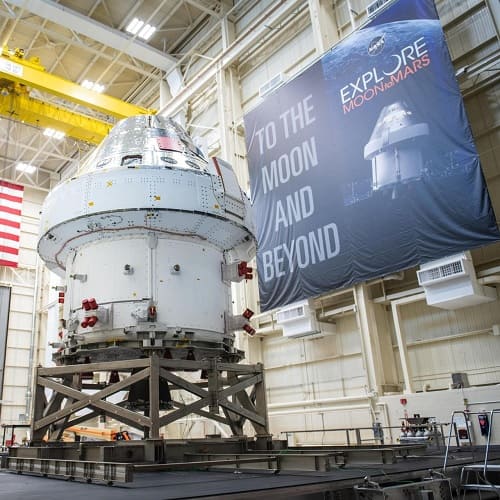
234 468
156 383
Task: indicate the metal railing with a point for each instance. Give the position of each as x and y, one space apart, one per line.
466 414
453 426
357 436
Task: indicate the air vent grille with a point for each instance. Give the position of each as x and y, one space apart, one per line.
441 273
290 314
298 320
375 6
271 84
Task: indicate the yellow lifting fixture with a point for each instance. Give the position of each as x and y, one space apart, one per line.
18 75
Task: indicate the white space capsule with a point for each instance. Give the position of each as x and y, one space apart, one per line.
396 148
148 241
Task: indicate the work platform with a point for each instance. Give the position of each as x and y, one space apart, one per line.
212 467
226 472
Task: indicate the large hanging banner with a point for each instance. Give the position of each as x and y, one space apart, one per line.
364 164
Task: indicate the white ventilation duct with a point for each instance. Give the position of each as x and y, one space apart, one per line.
451 283
298 320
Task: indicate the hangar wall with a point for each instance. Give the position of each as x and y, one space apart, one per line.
354 372
24 314
345 377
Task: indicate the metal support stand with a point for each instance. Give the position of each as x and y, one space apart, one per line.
226 387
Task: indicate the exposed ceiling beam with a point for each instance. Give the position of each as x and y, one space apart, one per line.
60 38
203 8
52 156
48 9
248 38
13 160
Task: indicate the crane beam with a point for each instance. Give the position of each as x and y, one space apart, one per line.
21 107
14 68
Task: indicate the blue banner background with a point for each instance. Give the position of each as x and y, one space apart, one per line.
364 164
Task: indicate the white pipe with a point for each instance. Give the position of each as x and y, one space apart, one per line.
309 402
389 277
448 338
394 296
403 353
269 329
319 410
336 294
363 324
488 272
339 311
351 16
489 279
34 326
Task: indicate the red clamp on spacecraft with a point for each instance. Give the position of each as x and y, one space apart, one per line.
247 314
89 305
249 330
237 271
244 270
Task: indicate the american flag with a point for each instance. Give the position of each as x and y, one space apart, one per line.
11 200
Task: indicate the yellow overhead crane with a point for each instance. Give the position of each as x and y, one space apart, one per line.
18 75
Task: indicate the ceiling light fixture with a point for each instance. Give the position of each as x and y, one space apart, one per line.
96 87
134 26
56 134
137 27
25 167
147 32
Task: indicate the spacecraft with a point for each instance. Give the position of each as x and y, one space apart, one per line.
395 148
148 240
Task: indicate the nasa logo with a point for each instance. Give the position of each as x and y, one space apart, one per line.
376 45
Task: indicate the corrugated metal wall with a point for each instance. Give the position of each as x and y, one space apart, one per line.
441 342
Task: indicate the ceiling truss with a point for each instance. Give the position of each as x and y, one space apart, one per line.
88 41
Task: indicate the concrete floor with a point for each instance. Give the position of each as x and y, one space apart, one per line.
190 485
162 485
222 484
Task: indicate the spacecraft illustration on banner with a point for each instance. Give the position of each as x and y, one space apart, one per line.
396 149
